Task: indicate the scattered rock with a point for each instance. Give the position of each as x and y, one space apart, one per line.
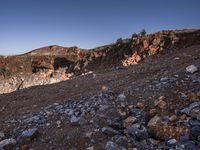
120 140
121 97
113 146
78 120
109 131
192 110
7 143
137 134
30 134
165 130
152 112
171 142
173 118
195 133
140 105
189 145
129 121
141 116
38 119
132 60
191 69
116 123
161 103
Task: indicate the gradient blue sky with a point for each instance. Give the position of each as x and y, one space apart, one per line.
29 24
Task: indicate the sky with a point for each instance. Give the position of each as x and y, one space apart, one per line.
29 24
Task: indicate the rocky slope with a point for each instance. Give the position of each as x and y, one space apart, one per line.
152 105
54 63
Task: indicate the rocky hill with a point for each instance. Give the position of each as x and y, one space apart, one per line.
138 93
55 63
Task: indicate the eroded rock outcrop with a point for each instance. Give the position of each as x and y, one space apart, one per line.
46 65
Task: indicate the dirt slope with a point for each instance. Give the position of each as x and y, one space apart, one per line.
114 108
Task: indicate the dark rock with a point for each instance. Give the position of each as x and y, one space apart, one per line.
37 119
116 123
184 139
192 110
195 133
78 120
113 146
120 140
193 122
109 131
190 107
140 115
137 134
141 145
190 145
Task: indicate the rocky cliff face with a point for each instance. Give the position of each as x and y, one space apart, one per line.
55 63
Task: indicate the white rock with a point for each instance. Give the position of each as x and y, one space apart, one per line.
191 69
171 142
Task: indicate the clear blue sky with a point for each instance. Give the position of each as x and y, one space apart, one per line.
30 24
